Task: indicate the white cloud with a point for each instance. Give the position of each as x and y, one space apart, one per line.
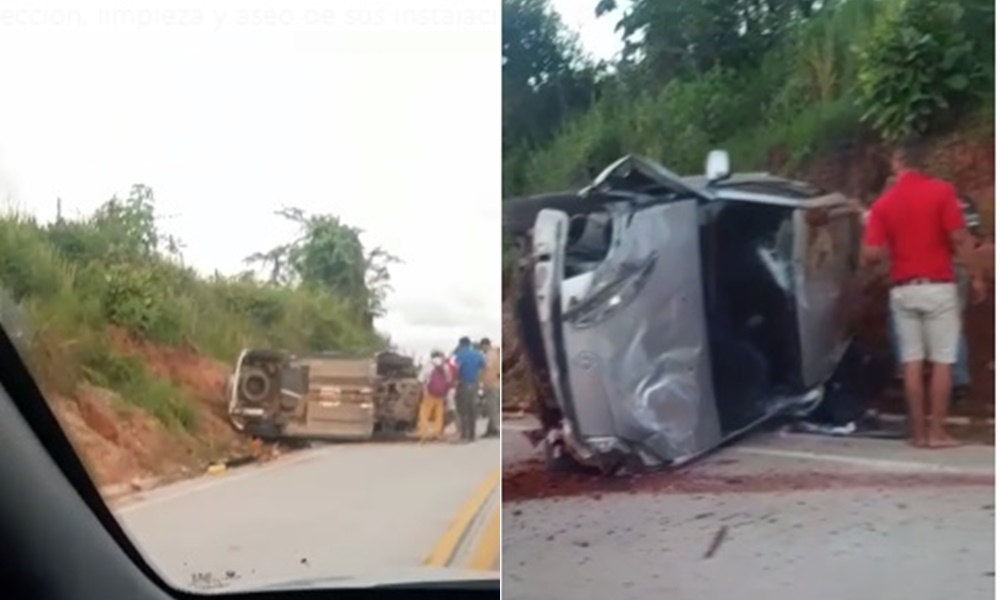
381 111
597 35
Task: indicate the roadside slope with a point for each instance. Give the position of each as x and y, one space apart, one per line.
132 347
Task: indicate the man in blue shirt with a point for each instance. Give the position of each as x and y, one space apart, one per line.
470 363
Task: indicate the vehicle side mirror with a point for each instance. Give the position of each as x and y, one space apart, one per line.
717 166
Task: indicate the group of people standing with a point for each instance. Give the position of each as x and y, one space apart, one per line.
918 226
471 372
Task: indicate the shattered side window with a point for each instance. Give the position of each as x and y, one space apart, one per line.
621 274
776 253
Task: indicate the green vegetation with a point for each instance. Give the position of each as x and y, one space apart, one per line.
70 283
756 77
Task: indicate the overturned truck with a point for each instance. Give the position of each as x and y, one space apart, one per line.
663 315
275 395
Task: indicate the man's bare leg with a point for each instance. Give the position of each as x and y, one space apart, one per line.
913 387
940 394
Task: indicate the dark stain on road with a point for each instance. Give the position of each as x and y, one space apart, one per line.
532 480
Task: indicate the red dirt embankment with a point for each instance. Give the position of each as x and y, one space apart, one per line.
123 444
965 158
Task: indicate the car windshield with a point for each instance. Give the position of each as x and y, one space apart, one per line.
233 325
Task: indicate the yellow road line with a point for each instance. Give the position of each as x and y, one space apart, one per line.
486 552
446 545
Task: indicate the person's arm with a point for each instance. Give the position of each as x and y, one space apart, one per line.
962 243
874 240
480 361
972 218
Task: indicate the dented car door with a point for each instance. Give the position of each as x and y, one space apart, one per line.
628 352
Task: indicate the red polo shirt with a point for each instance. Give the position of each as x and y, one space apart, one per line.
914 220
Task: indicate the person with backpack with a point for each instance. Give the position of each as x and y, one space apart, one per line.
437 383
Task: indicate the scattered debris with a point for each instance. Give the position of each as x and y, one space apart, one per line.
239 461
720 536
206 581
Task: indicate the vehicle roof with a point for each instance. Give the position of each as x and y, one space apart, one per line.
762 180
333 355
265 354
765 188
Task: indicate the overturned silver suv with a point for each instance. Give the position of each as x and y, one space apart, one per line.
667 314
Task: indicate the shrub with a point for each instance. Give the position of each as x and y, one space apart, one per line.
917 65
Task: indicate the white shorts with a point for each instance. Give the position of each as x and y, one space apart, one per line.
928 319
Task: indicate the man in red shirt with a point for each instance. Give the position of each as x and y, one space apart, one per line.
918 224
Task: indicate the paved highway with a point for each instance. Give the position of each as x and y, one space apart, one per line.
353 510
772 518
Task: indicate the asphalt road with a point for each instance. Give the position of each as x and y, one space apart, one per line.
346 510
773 517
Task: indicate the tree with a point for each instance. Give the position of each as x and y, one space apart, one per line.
329 255
683 38
546 79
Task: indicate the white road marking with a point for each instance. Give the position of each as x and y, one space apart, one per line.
870 463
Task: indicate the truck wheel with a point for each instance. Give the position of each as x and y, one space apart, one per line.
255 385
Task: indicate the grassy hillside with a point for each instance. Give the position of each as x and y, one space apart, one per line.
103 303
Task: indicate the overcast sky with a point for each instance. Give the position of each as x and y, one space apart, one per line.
597 36
385 112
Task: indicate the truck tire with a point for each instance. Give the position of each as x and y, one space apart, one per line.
255 385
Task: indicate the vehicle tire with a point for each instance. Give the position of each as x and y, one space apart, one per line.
288 402
558 460
255 385
393 364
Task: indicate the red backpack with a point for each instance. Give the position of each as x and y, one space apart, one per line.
439 382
